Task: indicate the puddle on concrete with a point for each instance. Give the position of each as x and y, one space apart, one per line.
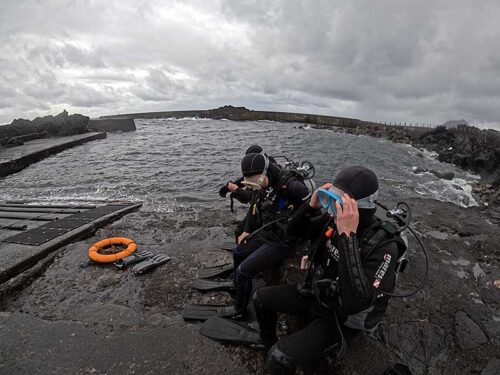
438 235
461 262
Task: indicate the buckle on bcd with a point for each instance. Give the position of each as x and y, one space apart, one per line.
402 265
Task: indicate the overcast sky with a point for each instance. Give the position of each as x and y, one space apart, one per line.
395 60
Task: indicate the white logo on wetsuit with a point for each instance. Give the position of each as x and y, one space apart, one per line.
379 275
332 250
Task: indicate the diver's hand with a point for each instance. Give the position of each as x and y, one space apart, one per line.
223 191
242 237
347 218
304 263
314 203
232 187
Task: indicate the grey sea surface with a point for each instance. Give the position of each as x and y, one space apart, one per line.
169 163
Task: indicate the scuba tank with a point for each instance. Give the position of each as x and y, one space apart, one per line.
304 171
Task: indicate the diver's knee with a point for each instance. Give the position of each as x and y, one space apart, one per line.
279 363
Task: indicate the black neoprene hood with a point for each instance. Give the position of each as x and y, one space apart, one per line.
254 149
358 181
254 164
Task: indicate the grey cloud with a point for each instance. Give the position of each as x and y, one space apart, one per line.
426 61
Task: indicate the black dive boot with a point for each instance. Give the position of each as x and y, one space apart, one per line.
279 363
267 323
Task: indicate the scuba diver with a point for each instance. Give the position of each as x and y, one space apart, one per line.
235 188
351 272
264 242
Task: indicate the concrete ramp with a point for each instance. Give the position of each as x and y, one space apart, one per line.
24 240
17 158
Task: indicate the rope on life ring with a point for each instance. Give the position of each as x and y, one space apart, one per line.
109 258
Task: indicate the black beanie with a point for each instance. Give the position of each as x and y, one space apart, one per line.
254 149
358 181
253 164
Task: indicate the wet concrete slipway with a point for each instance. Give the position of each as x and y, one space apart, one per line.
100 320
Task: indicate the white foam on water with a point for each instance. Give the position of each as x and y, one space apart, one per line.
457 190
431 155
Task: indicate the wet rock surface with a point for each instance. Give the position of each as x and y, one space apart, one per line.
99 319
22 130
467 333
467 147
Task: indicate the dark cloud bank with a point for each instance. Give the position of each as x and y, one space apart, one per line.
425 61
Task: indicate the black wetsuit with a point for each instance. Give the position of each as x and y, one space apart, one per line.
347 281
269 247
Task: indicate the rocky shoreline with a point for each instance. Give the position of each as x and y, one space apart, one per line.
21 130
469 148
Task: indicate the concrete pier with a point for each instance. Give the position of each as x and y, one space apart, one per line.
23 249
17 158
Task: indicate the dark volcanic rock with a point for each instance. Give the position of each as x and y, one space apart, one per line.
420 170
467 333
443 175
418 343
493 367
52 126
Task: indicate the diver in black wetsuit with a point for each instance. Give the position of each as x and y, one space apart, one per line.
277 193
346 279
236 189
239 191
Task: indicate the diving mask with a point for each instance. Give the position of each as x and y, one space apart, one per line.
327 199
251 184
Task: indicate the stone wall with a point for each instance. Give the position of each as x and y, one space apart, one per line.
111 125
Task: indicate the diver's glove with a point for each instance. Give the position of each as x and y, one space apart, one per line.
223 191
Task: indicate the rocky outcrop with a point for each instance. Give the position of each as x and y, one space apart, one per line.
477 151
48 126
442 175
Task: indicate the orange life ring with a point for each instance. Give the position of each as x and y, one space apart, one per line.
108 258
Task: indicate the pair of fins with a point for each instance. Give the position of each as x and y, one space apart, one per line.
144 261
228 246
202 284
228 331
219 326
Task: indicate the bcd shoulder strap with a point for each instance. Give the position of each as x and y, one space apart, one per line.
379 234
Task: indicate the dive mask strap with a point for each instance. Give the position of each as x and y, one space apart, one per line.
264 172
369 201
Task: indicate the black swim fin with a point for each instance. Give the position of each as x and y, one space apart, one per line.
136 257
150 264
228 246
231 332
203 312
207 273
211 286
